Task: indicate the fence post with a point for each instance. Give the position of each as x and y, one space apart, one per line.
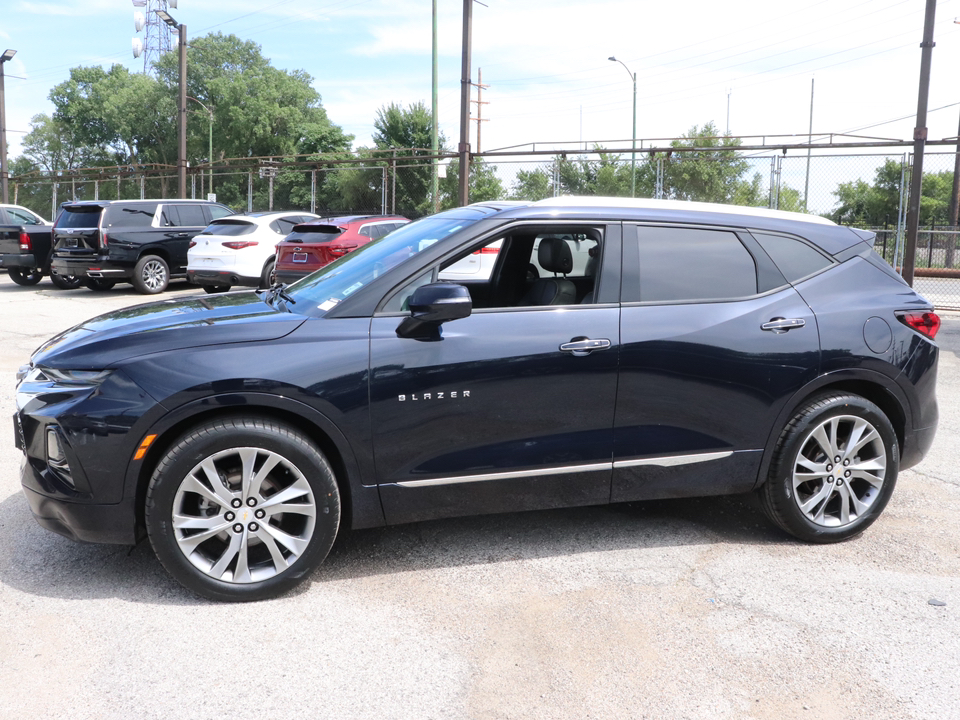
143 185
658 187
53 195
250 191
313 190
118 182
773 172
16 187
96 189
898 247
383 191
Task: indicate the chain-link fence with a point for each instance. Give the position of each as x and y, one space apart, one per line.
862 190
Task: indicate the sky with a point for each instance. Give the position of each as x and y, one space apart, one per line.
546 63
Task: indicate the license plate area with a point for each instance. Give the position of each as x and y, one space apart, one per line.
299 257
70 242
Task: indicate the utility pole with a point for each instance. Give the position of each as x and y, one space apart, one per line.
806 183
919 141
479 103
434 131
464 147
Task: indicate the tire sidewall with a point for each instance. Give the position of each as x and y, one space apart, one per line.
138 275
791 442
25 277
225 435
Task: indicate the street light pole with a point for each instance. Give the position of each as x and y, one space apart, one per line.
210 139
4 176
633 153
181 102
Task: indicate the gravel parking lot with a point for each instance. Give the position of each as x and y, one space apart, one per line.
672 609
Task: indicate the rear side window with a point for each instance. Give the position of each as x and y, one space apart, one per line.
130 215
219 211
229 227
795 258
687 264
284 225
191 215
79 217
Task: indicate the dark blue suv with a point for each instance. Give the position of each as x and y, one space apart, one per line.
619 350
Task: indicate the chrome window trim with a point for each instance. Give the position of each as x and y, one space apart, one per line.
664 461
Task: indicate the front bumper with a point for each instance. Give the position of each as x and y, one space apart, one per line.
112 524
17 260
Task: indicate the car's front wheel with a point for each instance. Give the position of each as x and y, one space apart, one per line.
242 508
833 470
151 275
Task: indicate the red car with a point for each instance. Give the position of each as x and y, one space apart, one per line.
317 243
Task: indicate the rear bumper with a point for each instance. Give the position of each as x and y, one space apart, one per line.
287 276
221 277
916 445
89 268
17 260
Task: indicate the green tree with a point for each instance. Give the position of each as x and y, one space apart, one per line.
484 184
709 175
531 185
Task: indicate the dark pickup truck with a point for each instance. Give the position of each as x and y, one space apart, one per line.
25 244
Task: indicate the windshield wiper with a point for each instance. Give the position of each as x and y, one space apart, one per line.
278 289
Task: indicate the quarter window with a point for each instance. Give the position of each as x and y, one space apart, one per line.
794 257
688 264
191 216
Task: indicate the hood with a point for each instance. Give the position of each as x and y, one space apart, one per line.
163 326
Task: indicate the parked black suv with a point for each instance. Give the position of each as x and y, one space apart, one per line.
143 242
619 350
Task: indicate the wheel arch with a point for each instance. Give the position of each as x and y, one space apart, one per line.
876 387
160 252
360 506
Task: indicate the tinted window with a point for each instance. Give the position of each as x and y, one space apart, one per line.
191 215
679 264
794 257
139 215
284 225
79 217
219 211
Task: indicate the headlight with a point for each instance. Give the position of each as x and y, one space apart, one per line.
37 380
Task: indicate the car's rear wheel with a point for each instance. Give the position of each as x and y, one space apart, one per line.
25 276
269 275
151 275
212 289
242 509
833 470
99 284
65 282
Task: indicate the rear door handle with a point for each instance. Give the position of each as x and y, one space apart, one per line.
584 346
781 325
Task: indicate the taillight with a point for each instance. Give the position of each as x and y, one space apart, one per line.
240 244
104 240
26 244
192 244
339 250
927 323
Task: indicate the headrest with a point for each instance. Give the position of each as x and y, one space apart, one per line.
555 256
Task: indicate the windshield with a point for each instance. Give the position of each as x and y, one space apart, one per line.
338 280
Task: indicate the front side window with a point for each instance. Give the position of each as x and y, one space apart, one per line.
22 217
692 265
333 283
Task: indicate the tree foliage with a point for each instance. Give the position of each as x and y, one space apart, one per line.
877 204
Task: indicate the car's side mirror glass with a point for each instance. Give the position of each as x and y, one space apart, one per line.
433 304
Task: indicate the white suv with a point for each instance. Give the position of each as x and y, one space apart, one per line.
240 249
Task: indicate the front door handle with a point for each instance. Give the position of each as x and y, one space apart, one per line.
781 325
581 346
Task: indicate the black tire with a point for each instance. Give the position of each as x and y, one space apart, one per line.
25 276
269 276
99 284
65 282
237 560
151 275
812 496
212 289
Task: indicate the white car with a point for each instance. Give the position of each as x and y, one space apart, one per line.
240 249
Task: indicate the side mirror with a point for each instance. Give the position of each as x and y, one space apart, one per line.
431 305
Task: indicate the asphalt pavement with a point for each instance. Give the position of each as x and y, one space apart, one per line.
669 609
